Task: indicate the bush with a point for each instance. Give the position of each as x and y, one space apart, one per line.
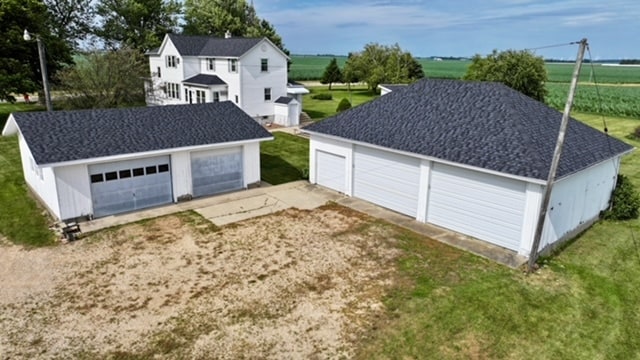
322 96
625 201
636 132
343 105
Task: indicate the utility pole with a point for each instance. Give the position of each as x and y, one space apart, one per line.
533 256
43 70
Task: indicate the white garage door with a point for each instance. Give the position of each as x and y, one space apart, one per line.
387 179
130 185
216 171
330 171
484 206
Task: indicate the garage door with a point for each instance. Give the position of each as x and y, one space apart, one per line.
216 171
330 171
387 179
484 206
130 185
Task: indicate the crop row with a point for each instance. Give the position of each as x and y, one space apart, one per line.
613 100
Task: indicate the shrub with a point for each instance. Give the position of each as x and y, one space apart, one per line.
626 201
343 105
322 96
636 132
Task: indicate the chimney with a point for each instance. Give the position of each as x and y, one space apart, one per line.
227 35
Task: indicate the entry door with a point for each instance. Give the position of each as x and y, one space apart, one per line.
130 185
216 171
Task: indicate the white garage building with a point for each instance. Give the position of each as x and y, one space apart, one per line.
94 163
468 156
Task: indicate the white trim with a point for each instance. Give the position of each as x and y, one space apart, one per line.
423 190
270 43
10 127
430 158
122 157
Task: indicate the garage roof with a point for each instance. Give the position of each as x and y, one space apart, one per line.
481 124
62 136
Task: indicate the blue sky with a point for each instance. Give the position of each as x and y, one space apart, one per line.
457 28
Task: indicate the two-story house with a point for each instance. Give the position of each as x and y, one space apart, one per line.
250 72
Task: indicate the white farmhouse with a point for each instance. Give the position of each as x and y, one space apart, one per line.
250 72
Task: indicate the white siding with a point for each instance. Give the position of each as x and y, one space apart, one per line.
191 66
170 74
578 199
40 179
484 206
74 191
387 179
254 81
331 146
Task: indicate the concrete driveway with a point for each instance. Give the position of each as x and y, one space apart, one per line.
237 206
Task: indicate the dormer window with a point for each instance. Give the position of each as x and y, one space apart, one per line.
233 65
211 64
172 61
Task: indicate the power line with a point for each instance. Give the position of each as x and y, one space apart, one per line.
552 46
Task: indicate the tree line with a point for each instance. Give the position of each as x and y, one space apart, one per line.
113 35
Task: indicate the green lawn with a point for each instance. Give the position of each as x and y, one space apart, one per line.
6 109
284 159
320 109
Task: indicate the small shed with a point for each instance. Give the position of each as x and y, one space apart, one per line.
95 163
287 111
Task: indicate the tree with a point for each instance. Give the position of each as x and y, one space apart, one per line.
71 19
19 61
216 17
519 70
106 80
137 24
378 64
343 105
332 73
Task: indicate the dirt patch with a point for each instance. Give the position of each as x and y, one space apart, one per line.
296 284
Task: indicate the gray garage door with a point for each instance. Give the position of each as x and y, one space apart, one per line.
216 171
330 171
387 179
130 185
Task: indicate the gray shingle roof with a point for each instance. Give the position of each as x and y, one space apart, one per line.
204 79
212 46
283 100
481 124
83 134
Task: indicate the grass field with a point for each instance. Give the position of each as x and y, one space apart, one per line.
320 109
312 67
284 159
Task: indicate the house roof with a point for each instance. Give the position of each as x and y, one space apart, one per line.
481 124
283 100
62 136
212 46
204 79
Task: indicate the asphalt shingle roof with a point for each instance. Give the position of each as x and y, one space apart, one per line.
283 100
204 79
62 136
481 124
212 46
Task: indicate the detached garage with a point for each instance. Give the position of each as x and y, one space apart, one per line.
95 163
471 157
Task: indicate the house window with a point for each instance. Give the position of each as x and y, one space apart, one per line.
172 90
233 65
211 64
267 94
236 99
172 61
159 74
264 65
216 96
200 96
